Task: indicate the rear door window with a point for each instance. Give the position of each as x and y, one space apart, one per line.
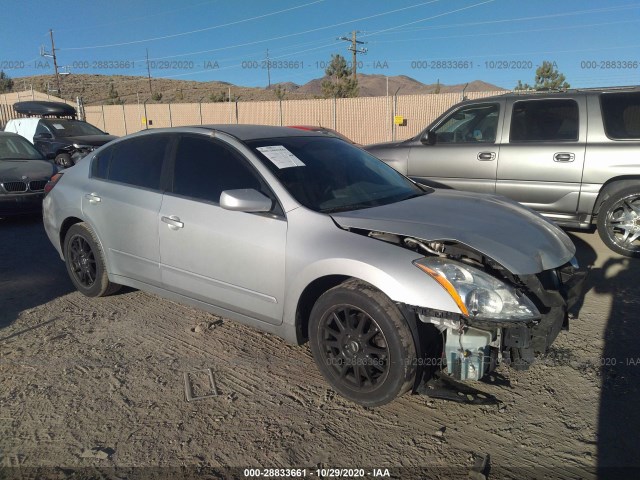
621 115
544 121
136 161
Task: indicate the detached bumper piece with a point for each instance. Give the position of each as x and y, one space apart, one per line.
444 387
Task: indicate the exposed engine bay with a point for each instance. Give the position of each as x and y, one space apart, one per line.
505 318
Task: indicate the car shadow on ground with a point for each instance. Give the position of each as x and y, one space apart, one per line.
31 272
619 417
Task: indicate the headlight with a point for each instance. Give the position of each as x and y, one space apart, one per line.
478 294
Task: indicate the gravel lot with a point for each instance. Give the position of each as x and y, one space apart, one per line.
96 388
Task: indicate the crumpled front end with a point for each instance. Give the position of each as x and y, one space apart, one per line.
475 342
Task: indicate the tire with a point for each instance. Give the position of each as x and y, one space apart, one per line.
64 160
362 344
619 222
85 262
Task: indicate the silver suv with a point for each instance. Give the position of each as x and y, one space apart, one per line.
572 156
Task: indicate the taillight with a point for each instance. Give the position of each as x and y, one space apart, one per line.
52 182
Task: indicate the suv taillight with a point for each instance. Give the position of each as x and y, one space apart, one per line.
52 183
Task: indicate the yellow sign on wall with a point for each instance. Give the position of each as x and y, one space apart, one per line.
398 119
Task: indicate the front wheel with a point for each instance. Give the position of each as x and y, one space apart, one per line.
619 222
362 344
85 262
64 160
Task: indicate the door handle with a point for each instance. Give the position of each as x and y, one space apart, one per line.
486 156
172 222
564 157
93 198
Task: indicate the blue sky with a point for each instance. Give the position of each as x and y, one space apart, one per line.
594 43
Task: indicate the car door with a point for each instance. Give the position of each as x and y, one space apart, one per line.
43 140
462 151
122 200
542 157
230 259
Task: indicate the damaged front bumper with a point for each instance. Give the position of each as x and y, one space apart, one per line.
472 348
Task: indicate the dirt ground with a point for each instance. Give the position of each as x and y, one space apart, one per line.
95 388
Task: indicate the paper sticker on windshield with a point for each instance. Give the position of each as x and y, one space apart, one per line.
281 157
58 126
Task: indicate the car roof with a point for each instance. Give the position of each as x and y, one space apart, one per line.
569 93
10 134
255 132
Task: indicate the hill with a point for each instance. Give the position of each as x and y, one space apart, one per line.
96 89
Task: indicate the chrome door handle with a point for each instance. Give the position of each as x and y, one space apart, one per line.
93 198
486 156
564 157
172 222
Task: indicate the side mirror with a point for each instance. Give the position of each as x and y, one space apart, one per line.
429 138
42 136
245 200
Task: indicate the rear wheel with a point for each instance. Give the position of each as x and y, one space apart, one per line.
619 222
85 262
362 344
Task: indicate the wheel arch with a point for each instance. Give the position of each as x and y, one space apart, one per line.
307 300
64 228
613 186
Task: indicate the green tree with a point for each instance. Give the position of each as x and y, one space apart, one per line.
218 97
547 78
279 92
6 83
180 95
114 97
339 83
156 97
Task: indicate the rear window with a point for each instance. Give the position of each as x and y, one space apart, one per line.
544 121
136 161
621 115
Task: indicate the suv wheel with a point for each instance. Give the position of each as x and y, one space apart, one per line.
85 262
619 222
362 344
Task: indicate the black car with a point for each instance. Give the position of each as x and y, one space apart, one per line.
66 140
24 172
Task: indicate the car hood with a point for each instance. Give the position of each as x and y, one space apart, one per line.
519 239
32 169
93 140
386 145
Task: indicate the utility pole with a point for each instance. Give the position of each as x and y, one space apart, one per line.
149 73
44 53
353 48
268 69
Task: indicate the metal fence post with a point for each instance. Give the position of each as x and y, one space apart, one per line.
104 121
146 119
170 118
124 120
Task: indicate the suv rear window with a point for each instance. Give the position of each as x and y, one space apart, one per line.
544 120
621 115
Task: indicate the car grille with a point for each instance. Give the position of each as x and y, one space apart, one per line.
15 186
19 187
37 185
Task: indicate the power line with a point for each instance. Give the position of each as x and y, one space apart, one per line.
429 18
195 31
538 17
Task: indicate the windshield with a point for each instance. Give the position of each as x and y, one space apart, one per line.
329 175
17 148
72 128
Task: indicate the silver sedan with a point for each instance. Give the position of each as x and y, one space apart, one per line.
313 239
